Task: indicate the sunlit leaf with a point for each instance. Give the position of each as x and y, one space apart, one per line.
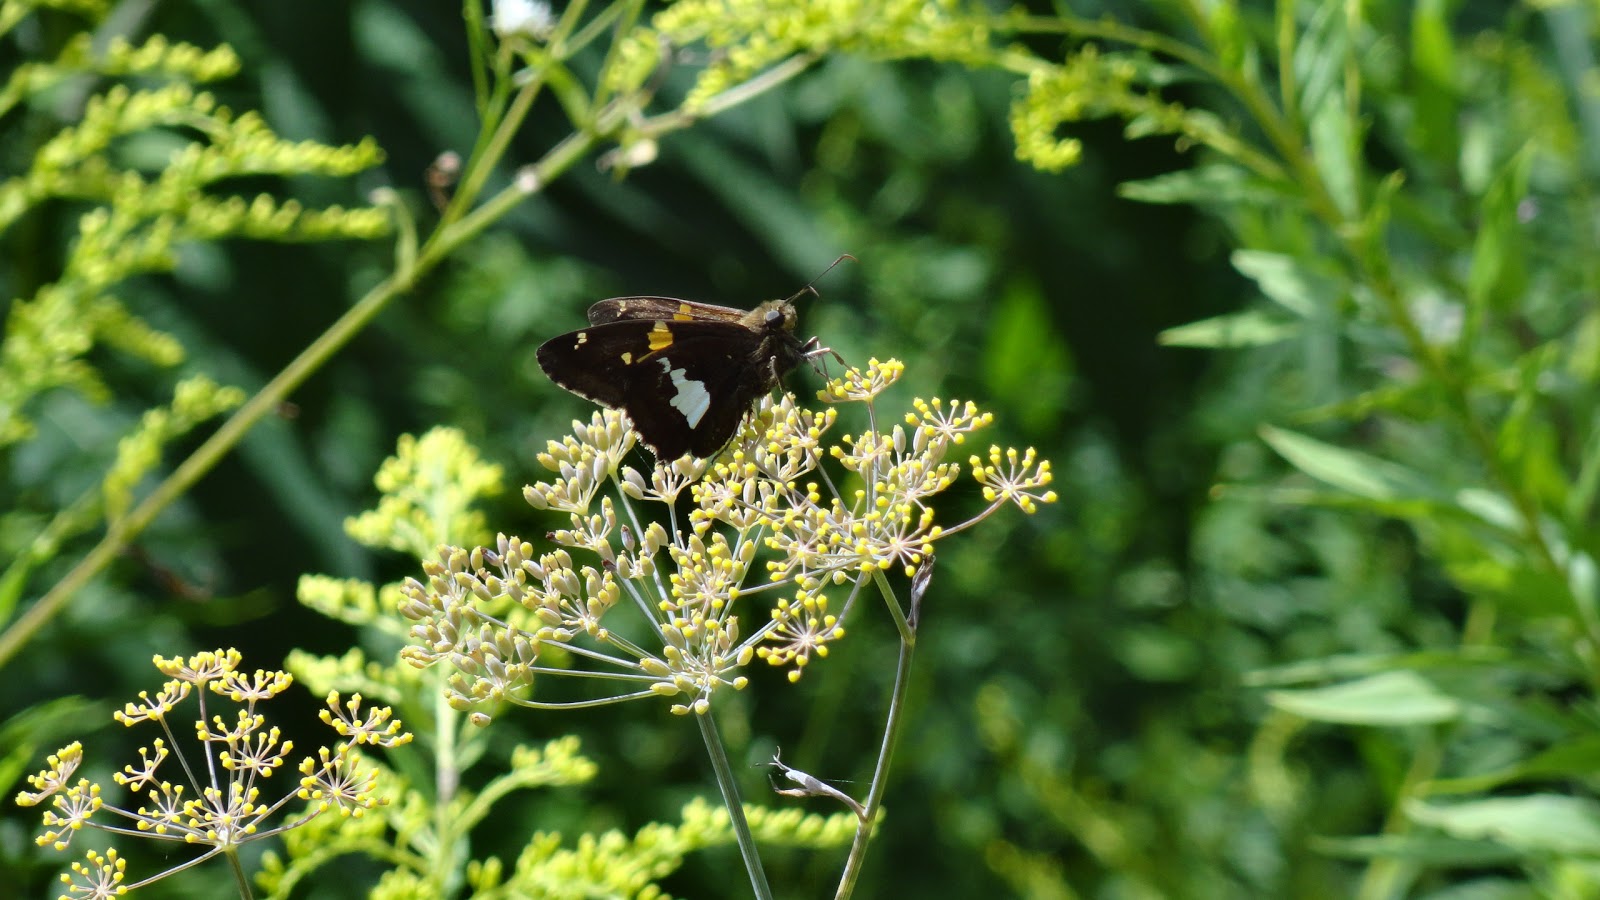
1537 823
1359 473
1287 281
1213 184
1390 698
1252 328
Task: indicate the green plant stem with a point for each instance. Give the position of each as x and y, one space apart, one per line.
488 153
901 623
730 799
477 54
655 126
626 15
446 782
1385 875
891 734
223 440
240 877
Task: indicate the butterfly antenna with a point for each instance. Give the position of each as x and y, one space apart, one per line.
810 287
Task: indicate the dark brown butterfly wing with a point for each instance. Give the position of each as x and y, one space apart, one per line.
685 386
668 309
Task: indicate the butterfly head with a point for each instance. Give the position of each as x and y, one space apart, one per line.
772 316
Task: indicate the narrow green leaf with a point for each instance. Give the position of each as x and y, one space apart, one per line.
1434 130
1576 758
1333 152
1425 849
1320 54
1390 698
1228 36
1287 282
1252 328
1320 62
1535 824
1216 185
1354 665
1498 275
41 729
1359 473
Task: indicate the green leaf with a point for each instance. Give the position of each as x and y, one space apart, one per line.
1486 887
1228 37
1425 849
1391 698
1320 54
1353 665
1287 282
1498 277
1252 328
1528 440
1320 61
1576 758
1360 474
1210 185
1434 129
1536 824
1332 143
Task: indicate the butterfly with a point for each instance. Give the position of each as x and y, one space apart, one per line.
686 373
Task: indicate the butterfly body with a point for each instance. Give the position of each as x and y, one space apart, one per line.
686 373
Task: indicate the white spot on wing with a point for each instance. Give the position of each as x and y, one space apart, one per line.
691 398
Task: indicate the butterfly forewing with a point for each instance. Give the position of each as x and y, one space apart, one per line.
685 373
665 308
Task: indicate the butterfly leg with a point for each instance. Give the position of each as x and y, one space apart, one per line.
813 350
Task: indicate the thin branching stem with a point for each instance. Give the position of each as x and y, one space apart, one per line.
446 784
168 873
584 704
891 734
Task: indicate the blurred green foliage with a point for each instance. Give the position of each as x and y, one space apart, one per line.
1305 321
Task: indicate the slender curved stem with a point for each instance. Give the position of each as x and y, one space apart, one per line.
735 807
240 877
891 734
